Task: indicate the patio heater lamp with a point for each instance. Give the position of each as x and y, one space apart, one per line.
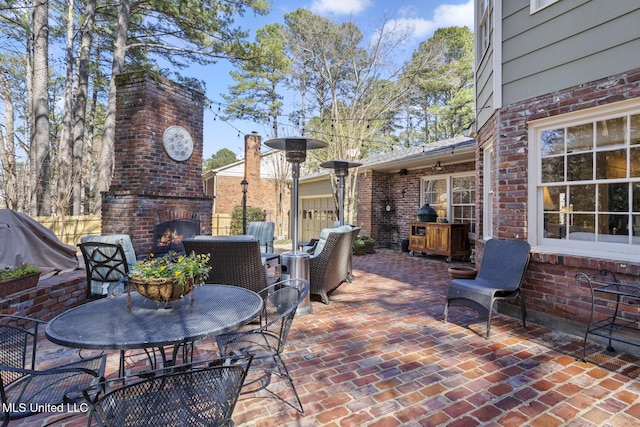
341 170
294 264
295 149
244 185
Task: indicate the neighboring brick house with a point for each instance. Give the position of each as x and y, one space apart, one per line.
558 133
260 170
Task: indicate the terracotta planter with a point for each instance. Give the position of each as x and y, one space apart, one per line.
161 290
463 272
18 284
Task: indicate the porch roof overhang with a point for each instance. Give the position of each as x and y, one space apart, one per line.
454 150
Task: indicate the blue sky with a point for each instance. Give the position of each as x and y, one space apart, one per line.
422 17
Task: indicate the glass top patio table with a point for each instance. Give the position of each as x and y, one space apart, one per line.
106 324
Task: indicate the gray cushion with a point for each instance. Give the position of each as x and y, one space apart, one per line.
324 234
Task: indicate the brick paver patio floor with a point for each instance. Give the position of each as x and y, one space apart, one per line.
380 355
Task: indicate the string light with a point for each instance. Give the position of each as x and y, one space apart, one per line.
332 137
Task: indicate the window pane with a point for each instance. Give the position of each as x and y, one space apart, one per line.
551 198
580 167
611 132
552 228
580 138
613 197
636 229
584 223
611 164
435 193
613 225
552 142
582 198
634 171
636 197
635 129
553 169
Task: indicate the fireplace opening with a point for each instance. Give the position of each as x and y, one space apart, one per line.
171 229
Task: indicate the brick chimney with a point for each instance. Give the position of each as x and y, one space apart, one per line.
252 160
149 180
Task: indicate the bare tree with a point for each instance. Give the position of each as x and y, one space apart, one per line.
349 86
40 154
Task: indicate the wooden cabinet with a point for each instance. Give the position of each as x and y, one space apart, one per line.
450 240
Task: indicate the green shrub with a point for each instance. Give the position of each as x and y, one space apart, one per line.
253 214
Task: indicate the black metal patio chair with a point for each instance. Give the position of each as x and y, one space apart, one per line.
106 267
502 270
194 394
26 391
266 341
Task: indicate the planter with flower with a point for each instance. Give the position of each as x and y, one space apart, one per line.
363 245
15 279
169 277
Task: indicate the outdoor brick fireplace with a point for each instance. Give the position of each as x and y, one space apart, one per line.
157 174
171 229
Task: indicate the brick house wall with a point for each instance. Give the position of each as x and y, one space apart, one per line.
552 296
146 181
376 189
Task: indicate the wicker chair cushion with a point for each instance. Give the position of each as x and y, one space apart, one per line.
324 234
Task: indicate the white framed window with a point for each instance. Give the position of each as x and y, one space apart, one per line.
536 5
586 174
484 26
452 196
488 162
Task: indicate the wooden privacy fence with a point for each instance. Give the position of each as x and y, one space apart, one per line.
70 229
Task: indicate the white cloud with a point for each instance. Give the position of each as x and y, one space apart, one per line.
445 15
339 7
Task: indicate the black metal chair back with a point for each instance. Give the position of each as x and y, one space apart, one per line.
25 391
17 349
267 341
187 395
106 265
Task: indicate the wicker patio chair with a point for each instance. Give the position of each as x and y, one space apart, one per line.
267 340
194 394
26 391
262 231
502 270
330 264
234 260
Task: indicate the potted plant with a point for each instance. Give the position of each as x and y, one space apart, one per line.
18 278
358 246
368 245
169 277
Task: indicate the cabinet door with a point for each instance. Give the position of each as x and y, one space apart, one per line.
438 241
417 243
443 242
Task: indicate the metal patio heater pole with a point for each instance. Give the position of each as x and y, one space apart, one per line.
341 170
294 264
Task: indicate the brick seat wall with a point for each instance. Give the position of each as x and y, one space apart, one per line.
52 296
